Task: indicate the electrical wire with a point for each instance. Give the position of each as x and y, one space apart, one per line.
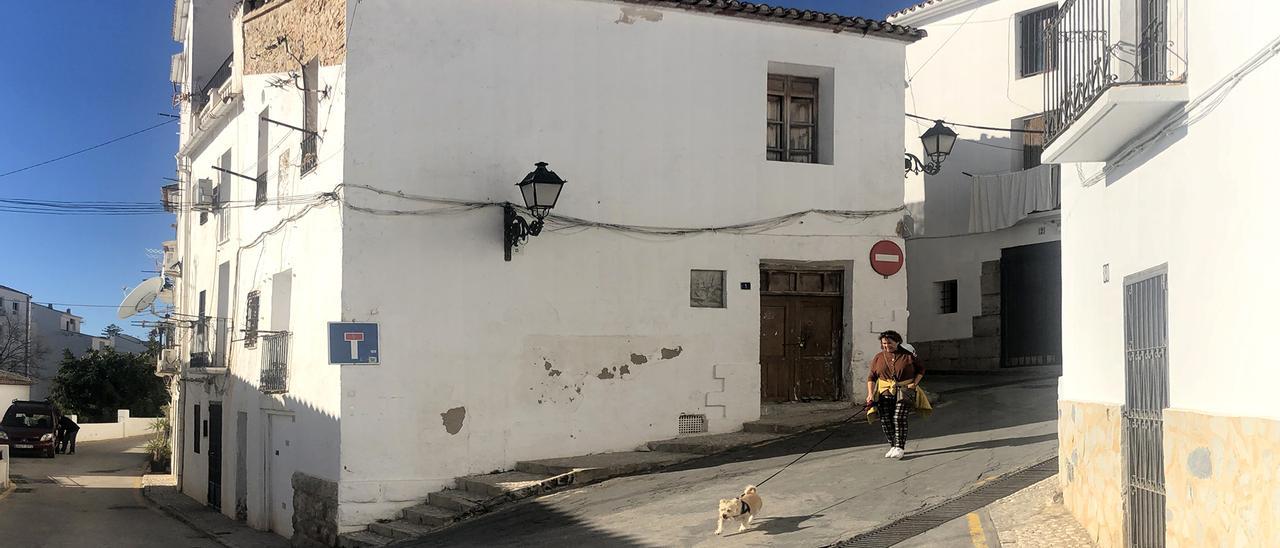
87 149
1009 129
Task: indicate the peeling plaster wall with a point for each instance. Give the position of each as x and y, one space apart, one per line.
585 341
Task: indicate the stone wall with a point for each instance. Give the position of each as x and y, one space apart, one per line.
980 352
315 511
311 28
1222 483
1091 468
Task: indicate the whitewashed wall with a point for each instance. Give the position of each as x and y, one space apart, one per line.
657 120
10 392
965 71
309 248
125 426
1201 202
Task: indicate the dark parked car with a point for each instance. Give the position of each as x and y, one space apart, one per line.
30 426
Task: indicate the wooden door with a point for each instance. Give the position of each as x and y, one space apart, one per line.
215 455
801 330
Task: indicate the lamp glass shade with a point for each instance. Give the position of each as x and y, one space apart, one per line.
541 189
938 141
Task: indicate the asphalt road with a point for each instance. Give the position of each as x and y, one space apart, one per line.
845 487
91 498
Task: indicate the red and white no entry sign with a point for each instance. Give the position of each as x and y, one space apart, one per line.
886 258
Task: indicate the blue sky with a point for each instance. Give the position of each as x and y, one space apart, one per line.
75 73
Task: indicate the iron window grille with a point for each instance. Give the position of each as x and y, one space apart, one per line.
792 119
947 296
1035 53
689 423
251 320
275 363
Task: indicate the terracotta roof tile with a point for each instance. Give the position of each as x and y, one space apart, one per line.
807 18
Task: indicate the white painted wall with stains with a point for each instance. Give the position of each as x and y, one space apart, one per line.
585 342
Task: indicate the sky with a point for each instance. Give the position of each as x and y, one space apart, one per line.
77 73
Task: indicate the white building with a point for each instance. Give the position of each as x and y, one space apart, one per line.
593 337
1161 122
983 263
46 333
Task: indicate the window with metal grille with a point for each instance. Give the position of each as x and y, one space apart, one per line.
260 190
1032 143
251 320
311 83
275 363
692 424
947 296
1035 53
792 119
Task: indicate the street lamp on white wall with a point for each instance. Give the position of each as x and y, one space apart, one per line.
937 141
540 189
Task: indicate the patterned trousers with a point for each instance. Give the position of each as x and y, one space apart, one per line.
893 419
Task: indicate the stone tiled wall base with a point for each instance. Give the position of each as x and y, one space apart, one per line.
1091 468
312 27
1222 480
315 511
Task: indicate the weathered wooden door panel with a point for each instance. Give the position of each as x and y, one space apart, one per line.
801 327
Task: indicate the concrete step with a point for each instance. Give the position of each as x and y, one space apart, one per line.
362 539
456 499
589 468
429 515
711 444
499 484
400 529
797 423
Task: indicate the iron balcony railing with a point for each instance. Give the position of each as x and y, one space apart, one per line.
201 100
209 343
1100 44
275 363
308 153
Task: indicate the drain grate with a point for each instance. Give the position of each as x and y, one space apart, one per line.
938 514
23 490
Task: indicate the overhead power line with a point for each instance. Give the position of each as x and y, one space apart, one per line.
910 115
87 149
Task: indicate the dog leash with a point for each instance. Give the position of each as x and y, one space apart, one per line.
865 408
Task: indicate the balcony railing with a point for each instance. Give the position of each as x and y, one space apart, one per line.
201 100
308 153
1100 44
275 363
209 343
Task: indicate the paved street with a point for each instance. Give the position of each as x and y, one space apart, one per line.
91 498
843 488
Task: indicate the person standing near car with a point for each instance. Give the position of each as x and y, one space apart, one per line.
67 430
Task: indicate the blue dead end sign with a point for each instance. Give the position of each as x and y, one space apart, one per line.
353 343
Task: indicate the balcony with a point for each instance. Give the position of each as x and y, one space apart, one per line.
212 92
209 346
275 363
1121 68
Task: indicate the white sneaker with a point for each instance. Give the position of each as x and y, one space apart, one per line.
892 451
898 452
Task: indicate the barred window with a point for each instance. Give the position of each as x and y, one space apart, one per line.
946 296
1035 52
792 119
251 321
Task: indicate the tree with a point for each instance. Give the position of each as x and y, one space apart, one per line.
19 350
112 330
101 382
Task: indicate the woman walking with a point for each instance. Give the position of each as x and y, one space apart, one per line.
891 387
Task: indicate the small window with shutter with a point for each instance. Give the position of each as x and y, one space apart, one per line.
792 119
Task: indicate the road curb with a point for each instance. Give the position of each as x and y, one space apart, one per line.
175 514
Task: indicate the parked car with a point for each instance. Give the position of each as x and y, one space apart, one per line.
30 426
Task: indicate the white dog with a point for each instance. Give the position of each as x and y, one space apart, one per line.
742 509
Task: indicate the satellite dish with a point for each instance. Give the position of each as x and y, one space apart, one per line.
141 298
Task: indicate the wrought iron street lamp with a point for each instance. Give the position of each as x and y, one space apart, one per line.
540 189
937 141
